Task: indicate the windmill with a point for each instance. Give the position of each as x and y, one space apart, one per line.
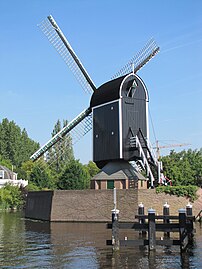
118 110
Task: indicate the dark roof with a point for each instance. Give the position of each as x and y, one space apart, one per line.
114 90
107 92
118 170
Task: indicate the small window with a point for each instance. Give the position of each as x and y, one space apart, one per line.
131 90
1 174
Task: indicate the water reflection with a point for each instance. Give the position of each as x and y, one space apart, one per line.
33 244
12 239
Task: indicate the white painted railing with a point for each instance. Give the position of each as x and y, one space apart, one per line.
136 142
14 182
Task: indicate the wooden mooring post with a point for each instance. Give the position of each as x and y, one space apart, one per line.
166 213
151 229
183 225
115 224
182 228
115 229
141 221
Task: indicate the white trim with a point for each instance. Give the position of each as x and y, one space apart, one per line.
145 88
147 102
120 129
108 103
147 120
147 98
92 138
123 81
143 84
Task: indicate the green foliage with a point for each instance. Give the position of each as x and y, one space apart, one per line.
92 168
40 176
62 152
32 187
184 168
15 145
74 177
6 163
10 197
184 191
59 170
25 170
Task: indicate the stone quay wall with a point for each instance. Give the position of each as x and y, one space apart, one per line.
39 205
151 199
96 205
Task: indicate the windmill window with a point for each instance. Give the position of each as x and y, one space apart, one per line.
131 91
112 133
96 136
112 107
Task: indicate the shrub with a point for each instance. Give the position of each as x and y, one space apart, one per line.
10 197
187 191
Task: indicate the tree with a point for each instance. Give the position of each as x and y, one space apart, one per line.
92 168
26 147
41 176
74 177
25 170
184 168
9 137
62 151
15 145
6 163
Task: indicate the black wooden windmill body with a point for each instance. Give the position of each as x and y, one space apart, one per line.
118 111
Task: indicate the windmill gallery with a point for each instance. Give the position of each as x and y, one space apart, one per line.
118 115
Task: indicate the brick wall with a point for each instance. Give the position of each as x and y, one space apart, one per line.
96 205
150 199
92 205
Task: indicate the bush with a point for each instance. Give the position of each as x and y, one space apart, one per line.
184 191
10 197
32 187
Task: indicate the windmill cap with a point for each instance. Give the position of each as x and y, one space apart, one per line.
118 88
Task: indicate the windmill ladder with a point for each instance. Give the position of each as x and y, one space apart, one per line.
144 160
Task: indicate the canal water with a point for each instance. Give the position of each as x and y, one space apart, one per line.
34 244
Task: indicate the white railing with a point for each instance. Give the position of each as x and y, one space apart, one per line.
14 182
143 158
153 153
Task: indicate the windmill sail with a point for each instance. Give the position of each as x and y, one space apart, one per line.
140 59
56 37
78 127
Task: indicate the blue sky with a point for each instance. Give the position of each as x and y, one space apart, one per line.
37 88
